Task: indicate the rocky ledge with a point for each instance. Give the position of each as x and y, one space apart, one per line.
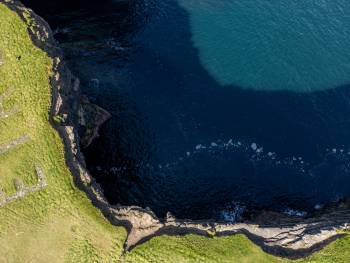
90 119
276 233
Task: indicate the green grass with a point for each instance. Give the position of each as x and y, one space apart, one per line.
58 223
235 249
192 248
337 252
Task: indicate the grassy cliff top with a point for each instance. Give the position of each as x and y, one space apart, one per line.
56 222
43 216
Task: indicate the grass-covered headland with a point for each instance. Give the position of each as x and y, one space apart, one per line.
44 217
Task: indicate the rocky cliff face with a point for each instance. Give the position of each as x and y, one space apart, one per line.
90 119
275 233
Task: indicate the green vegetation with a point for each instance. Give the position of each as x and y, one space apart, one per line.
233 249
58 223
58 119
192 248
339 251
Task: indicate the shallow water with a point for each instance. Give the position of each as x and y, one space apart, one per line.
301 46
218 106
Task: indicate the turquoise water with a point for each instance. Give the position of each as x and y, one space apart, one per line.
301 46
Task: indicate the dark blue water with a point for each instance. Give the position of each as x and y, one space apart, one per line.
212 108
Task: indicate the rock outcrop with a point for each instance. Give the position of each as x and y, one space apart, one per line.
91 117
283 236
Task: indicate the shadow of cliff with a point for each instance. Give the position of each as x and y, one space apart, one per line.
168 66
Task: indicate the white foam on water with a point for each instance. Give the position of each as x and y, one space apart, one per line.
254 146
318 206
233 213
200 146
252 150
229 143
293 212
213 144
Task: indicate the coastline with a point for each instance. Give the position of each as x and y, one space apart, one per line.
288 237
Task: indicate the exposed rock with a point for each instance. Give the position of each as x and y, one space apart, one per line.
91 117
19 185
4 148
170 217
23 190
58 104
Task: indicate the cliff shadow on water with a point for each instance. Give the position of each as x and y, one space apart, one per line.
180 141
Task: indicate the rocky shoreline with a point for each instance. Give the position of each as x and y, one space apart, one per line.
275 233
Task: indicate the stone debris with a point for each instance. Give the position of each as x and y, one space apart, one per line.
41 176
19 185
23 190
6 114
3 113
13 144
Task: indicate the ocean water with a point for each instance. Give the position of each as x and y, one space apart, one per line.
220 108
301 46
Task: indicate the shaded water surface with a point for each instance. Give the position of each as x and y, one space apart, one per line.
214 112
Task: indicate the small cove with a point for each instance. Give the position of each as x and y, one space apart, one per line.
188 137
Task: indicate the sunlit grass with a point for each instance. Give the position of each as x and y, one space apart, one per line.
58 223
